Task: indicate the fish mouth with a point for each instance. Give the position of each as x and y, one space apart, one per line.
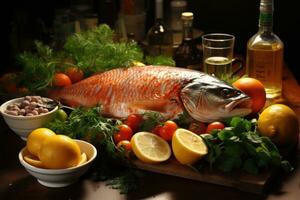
239 105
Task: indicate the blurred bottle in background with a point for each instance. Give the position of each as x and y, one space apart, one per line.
84 15
159 38
187 54
131 20
63 26
174 22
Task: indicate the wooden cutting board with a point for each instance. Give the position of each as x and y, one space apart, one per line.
239 180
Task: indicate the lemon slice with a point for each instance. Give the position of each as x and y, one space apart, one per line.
34 161
83 159
188 147
150 148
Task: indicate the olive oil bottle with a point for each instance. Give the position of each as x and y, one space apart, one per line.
265 53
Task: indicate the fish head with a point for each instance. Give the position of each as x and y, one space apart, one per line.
213 99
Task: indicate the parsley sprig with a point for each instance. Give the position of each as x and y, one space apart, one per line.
239 146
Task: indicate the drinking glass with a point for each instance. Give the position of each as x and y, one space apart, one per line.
218 54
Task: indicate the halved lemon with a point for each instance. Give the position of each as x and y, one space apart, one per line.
188 147
150 148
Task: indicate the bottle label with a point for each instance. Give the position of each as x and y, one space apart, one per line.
266 19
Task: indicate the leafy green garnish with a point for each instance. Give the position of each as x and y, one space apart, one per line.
38 68
95 50
239 146
159 60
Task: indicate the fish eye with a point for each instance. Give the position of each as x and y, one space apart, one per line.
228 93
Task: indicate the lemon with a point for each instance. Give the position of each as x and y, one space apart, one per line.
188 147
150 148
59 152
35 139
279 122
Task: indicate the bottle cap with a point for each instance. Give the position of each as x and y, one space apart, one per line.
187 16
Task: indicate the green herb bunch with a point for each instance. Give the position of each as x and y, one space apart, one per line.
239 146
96 51
38 67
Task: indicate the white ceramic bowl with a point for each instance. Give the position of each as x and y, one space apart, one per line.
23 125
61 177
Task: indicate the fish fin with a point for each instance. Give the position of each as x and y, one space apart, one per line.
154 105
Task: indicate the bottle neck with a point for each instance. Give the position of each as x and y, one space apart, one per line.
187 30
266 16
159 9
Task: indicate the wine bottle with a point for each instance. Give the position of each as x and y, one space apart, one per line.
159 38
187 54
264 60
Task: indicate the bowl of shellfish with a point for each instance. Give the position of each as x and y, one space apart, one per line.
27 113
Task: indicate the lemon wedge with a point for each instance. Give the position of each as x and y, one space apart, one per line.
188 147
150 148
83 159
32 160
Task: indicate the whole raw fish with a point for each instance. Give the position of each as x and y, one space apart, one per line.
169 90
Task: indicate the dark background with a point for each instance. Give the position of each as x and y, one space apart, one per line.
31 19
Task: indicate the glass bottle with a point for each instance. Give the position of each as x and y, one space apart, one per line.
159 38
187 54
265 53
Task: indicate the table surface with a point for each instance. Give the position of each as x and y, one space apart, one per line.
16 183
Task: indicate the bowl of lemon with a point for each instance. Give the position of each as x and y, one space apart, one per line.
56 160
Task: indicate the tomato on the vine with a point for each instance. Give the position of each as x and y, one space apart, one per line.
167 130
215 125
134 121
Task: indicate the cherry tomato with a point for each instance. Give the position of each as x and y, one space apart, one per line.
167 130
197 127
75 74
156 129
117 138
214 125
61 80
124 144
134 121
125 131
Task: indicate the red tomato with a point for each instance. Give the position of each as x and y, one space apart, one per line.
167 130
214 125
198 128
133 121
74 73
61 80
125 131
156 129
117 138
124 144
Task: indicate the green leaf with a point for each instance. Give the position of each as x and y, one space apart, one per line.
250 166
253 137
225 134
